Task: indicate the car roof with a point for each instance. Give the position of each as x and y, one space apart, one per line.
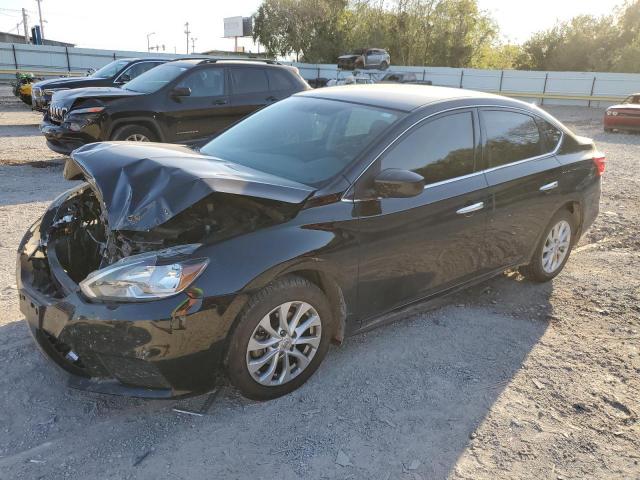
137 59
191 62
396 96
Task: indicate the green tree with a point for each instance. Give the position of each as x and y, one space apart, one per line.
416 32
587 43
305 28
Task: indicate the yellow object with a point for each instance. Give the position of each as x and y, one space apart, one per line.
25 90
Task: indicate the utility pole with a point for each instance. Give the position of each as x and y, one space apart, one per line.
41 22
148 44
193 44
187 32
25 23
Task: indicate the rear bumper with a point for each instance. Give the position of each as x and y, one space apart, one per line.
160 349
590 206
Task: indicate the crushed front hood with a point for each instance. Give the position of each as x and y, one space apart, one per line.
67 98
142 185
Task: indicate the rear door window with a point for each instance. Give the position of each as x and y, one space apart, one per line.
248 80
440 149
511 137
205 82
551 134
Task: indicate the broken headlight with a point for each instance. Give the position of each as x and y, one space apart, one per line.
146 276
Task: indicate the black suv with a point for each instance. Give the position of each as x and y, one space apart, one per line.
112 74
183 101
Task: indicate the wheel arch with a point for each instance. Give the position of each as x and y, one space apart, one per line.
143 121
574 207
318 274
334 294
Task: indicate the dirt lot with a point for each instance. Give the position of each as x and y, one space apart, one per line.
508 380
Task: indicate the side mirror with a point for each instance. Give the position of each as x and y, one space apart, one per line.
181 92
396 183
124 78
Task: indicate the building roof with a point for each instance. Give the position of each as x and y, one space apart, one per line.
7 37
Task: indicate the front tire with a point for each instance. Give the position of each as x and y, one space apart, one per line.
554 249
133 133
280 340
384 65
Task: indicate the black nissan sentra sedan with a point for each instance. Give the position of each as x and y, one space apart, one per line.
170 270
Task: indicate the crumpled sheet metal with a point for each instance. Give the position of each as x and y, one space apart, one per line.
142 186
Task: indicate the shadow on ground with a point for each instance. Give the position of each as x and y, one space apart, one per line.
411 391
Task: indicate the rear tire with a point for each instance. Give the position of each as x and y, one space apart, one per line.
134 133
267 359
554 249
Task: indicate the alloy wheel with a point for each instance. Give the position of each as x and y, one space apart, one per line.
283 343
137 137
556 246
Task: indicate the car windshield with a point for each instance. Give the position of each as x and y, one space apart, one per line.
632 99
154 79
306 140
357 51
110 69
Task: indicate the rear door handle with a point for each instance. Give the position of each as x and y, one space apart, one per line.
220 101
549 186
271 99
471 208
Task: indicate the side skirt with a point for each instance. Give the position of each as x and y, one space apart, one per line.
431 302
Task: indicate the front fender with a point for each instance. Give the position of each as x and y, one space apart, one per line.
327 247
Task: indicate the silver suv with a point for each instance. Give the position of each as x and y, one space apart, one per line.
365 58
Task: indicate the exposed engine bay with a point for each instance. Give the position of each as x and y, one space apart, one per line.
84 242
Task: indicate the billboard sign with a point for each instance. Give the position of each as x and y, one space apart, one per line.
233 27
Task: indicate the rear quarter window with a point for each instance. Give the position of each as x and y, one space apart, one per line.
279 80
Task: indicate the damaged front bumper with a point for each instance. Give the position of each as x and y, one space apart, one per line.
62 139
157 349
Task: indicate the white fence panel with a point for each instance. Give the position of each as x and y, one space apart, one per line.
567 88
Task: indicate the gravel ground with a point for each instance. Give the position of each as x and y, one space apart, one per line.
508 379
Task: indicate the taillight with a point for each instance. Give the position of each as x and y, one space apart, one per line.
600 162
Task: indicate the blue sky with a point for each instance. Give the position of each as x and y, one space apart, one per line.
123 25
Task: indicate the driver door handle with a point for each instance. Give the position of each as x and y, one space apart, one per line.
549 186
220 101
471 208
